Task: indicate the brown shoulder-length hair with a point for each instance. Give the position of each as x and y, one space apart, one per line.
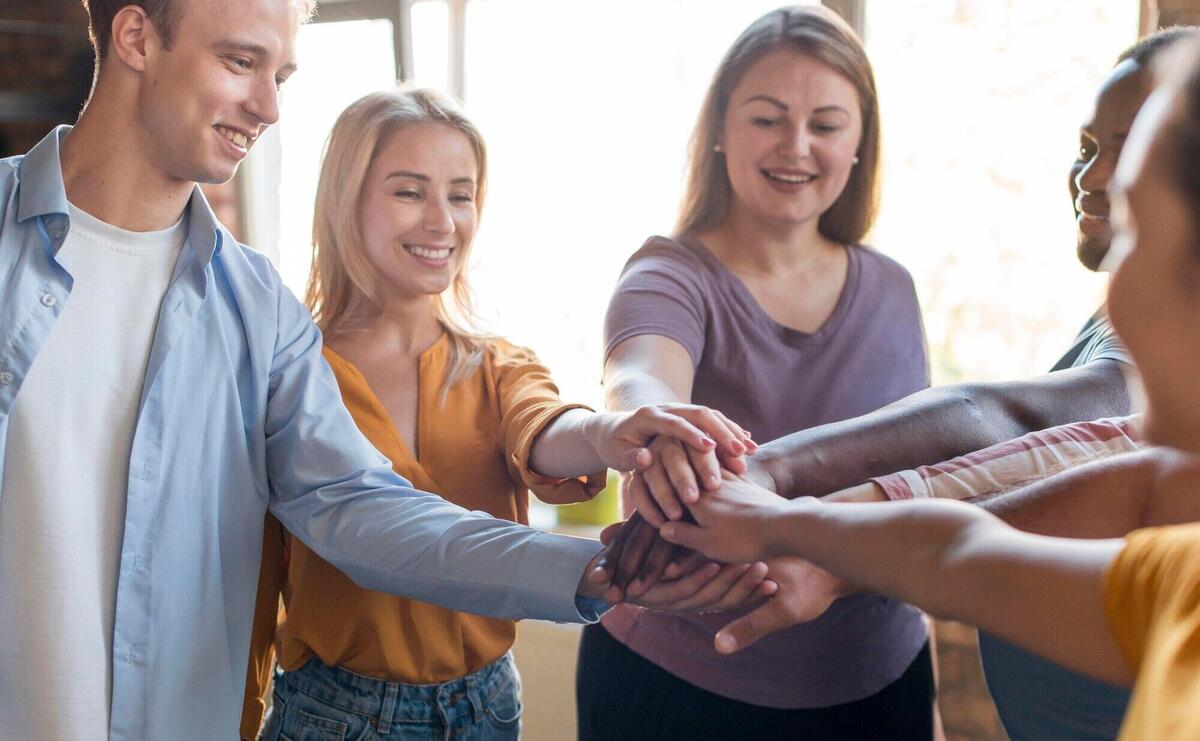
817 32
341 284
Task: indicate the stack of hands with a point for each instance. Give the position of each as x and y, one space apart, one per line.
694 542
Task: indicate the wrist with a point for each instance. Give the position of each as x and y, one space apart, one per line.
589 589
783 531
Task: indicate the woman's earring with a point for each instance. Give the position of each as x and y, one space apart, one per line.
855 160
717 148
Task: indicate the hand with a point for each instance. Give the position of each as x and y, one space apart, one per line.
622 440
805 592
695 583
637 558
677 472
731 522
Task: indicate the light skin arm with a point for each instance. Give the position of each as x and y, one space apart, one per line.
579 442
652 370
950 558
933 425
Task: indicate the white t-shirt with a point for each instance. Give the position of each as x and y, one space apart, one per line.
66 473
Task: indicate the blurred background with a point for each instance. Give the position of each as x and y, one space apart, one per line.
586 108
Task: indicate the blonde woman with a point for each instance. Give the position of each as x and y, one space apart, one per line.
458 412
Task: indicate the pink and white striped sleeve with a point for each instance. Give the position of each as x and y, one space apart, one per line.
1018 462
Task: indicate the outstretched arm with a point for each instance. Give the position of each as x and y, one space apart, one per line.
949 558
935 425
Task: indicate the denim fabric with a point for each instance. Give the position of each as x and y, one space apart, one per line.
326 703
240 412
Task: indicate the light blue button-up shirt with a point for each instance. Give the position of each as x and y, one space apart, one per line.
240 414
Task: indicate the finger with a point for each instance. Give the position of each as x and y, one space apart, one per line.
709 594
706 468
612 556
666 593
659 423
685 534
727 435
742 433
634 554
610 533
682 566
661 492
748 629
743 588
656 562
675 460
643 502
733 463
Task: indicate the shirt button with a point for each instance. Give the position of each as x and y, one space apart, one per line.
48 299
6 378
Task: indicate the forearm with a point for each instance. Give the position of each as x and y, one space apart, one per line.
626 390
1104 499
564 448
934 425
957 561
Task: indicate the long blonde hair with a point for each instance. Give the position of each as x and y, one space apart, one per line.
341 284
814 31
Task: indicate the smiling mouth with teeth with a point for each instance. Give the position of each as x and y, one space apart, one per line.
239 139
437 253
789 177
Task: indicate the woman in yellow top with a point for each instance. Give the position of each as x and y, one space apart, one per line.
460 413
1123 610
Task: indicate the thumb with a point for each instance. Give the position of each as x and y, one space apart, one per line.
642 458
749 628
683 533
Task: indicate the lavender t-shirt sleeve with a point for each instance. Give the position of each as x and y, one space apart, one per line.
660 292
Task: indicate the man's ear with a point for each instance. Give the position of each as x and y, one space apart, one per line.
134 36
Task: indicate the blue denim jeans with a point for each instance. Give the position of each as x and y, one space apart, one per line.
327 703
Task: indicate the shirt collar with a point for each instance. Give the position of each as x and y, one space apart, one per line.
42 193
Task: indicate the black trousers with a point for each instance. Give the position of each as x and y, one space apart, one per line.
621 696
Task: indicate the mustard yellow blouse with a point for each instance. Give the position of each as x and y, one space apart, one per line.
474 451
1152 599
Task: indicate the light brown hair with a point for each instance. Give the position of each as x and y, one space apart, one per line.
816 32
341 284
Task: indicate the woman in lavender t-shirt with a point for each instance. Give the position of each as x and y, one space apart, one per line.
767 308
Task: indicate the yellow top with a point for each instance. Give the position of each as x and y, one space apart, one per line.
474 451
1152 597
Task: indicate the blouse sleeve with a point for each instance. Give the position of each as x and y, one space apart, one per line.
529 401
262 637
1151 590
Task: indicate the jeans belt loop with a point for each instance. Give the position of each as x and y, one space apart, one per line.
390 693
475 695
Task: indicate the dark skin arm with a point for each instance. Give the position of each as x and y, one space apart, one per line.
927 427
934 425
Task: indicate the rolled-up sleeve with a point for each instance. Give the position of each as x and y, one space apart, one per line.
529 402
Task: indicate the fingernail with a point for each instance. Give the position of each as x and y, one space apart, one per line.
738 448
635 586
709 442
714 481
725 643
691 494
